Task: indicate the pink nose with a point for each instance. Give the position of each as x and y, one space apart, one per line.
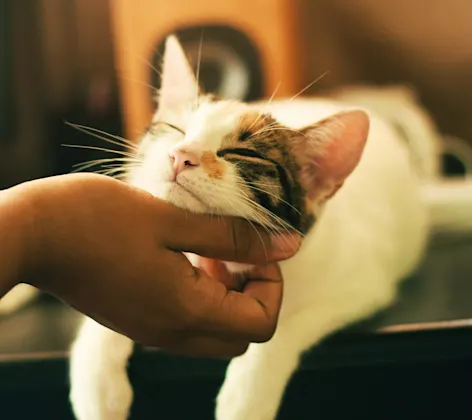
183 159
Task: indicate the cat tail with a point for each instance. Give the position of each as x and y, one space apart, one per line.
449 203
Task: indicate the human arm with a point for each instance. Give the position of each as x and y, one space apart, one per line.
114 252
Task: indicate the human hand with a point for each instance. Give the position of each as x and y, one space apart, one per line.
114 252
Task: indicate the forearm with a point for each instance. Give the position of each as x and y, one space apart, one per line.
15 218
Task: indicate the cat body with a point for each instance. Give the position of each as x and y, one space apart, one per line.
371 235
358 186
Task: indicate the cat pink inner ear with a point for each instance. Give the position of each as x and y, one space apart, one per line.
332 149
179 87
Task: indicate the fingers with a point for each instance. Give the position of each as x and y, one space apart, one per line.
227 238
218 271
250 315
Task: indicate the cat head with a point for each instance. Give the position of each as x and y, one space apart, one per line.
228 157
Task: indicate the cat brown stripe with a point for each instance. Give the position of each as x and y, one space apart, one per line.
251 159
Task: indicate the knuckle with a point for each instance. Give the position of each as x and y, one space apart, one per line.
238 350
266 333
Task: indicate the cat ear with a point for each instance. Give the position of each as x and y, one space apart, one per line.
179 86
330 150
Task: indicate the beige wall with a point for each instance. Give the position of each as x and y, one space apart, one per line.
427 43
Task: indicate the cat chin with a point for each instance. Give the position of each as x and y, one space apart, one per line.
182 198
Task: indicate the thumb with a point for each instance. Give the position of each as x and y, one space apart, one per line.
249 315
228 238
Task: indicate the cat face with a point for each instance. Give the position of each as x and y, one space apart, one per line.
226 157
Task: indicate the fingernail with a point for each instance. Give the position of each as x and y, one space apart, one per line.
285 246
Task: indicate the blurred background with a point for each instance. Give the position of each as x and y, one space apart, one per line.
96 62
91 62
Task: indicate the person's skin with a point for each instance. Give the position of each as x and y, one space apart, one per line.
114 252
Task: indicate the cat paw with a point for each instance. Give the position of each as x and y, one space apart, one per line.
241 406
109 401
242 413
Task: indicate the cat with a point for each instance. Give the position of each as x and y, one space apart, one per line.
364 195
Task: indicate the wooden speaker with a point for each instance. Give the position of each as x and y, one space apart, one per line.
249 49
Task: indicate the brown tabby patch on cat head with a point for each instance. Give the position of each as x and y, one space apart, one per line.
261 150
272 188
211 165
251 122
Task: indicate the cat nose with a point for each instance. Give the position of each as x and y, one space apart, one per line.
183 159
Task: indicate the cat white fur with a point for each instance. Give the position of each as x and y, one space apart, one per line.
371 235
17 298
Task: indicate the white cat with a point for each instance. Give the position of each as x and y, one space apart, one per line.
342 176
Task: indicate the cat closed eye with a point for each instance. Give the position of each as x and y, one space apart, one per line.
244 135
166 124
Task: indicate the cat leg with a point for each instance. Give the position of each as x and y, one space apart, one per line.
17 298
255 382
100 388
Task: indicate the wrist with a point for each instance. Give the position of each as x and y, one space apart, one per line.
16 238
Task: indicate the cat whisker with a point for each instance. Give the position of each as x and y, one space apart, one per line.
309 86
256 187
103 149
91 163
197 75
240 194
117 160
128 79
151 66
268 103
118 140
143 59
261 115
118 172
140 82
255 121
265 128
274 93
261 218
291 130
238 212
279 222
108 171
113 166
121 168
269 129
120 177
272 124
